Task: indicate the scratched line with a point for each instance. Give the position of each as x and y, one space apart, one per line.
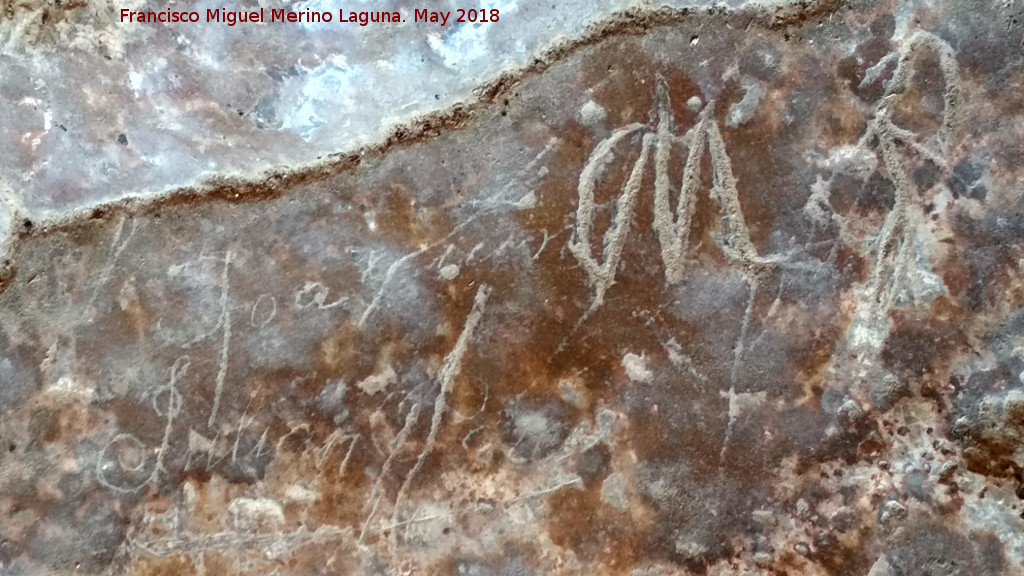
222 369
446 377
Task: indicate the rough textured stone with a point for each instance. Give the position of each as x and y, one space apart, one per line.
734 291
139 110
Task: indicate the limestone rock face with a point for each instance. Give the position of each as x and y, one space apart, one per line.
99 107
706 291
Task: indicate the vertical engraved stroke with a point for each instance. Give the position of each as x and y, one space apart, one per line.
674 229
117 245
736 243
411 418
225 319
446 379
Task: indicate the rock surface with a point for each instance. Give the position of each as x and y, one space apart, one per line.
730 291
98 108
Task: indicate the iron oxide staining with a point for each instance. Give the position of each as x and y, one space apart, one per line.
486 368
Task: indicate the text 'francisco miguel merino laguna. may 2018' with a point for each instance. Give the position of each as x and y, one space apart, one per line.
307 16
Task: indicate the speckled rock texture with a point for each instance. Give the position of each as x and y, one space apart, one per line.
731 291
99 109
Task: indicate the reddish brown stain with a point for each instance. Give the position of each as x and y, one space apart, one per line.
531 350
609 539
172 566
